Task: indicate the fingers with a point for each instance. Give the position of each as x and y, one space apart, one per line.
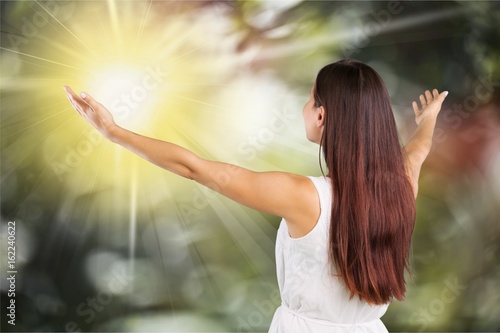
83 101
428 96
95 105
423 101
435 93
429 101
71 98
415 107
101 113
86 106
71 94
78 104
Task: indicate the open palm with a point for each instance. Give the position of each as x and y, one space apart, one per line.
92 111
431 105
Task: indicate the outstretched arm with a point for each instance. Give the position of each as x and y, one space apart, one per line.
420 143
283 194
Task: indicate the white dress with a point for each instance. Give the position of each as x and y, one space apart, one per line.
312 301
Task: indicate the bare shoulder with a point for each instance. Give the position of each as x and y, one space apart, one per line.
308 207
304 194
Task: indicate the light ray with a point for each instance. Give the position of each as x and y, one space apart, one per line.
260 229
84 214
297 146
244 241
74 53
99 17
16 84
177 59
143 23
72 34
192 142
25 61
115 22
425 18
133 215
199 257
351 34
43 59
160 250
179 40
199 84
204 103
6 174
39 180
38 122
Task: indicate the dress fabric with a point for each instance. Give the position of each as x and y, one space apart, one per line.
312 300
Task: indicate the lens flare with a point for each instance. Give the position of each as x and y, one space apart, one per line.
128 92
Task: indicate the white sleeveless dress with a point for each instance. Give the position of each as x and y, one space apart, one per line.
312 301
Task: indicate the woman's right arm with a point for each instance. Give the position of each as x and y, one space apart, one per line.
419 145
283 194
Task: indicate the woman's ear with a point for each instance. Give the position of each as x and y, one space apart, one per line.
320 116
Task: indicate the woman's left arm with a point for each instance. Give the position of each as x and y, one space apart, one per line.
279 193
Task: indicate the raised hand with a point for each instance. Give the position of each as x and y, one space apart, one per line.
93 112
431 105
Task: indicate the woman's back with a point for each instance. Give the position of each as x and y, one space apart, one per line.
312 299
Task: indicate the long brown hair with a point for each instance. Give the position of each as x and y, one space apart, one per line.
373 205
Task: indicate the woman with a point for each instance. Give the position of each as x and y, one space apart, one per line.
344 240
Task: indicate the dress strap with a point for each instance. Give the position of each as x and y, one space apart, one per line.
323 186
